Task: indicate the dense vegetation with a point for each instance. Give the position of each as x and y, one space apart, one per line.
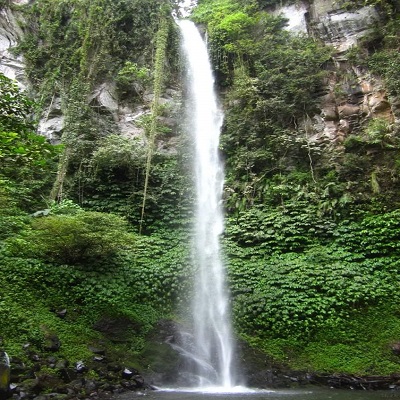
87 258
312 235
312 229
71 48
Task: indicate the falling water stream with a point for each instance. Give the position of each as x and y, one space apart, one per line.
213 343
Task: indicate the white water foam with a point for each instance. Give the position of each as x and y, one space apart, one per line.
218 390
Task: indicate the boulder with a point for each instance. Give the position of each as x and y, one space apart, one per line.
4 375
348 110
61 313
52 343
80 367
395 347
127 373
96 350
329 112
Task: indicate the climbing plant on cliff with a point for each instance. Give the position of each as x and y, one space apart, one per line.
272 78
70 47
96 37
152 127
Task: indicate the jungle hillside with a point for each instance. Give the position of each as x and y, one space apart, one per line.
96 218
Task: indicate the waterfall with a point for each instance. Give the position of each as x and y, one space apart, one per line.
213 343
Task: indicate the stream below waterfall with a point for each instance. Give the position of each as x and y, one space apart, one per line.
279 394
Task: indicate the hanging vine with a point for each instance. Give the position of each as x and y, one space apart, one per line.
161 46
77 124
69 48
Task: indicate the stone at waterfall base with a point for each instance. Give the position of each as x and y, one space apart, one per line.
4 376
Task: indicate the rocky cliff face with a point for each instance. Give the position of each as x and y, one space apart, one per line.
10 32
125 119
351 97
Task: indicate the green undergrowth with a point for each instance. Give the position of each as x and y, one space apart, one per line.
361 345
34 292
129 289
331 307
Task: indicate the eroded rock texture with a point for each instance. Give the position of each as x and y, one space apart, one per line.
351 96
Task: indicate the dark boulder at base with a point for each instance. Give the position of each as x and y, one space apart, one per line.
344 381
396 348
52 343
4 375
256 369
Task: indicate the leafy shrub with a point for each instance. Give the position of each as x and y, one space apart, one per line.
118 152
292 227
63 207
12 218
83 238
21 150
297 294
344 349
26 158
374 236
132 80
377 132
162 270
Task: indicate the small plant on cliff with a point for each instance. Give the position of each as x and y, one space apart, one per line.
132 80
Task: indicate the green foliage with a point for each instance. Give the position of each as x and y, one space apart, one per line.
21 150
308 308
269 102
296 294
135 284
25 311
25 155
386 63
229 25
378 132
26 158
305 284
4 3
379 50
118 152
344 349
132 80
64 207
94 38
12 218
272 77
170 198
293 227
377 235
32 291
113 182
15 106
270 4
152 131
81 238
70 47
162 270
